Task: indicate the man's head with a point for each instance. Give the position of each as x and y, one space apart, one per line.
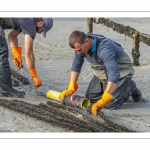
80 42
43 25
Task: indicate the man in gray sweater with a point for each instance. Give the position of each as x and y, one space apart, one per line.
112 83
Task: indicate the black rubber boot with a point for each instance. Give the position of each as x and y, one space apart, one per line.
6 88
136 94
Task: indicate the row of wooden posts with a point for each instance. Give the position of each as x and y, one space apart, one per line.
135 35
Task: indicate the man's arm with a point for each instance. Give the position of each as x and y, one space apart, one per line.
110 87
29 54
75 71
72 87
12 38
108 54
16 50
30 60
74 76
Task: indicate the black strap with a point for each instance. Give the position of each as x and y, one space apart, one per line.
97 44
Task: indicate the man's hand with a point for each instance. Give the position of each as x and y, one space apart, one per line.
106 98
37 81
35 78
16 51
72 87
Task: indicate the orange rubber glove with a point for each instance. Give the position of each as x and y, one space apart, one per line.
17 51
72 87
102 102
35 78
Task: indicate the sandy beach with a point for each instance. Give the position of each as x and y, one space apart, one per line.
53 62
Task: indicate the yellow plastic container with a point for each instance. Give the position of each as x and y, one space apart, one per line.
72 100
51 94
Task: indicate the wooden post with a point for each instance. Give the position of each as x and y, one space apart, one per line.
90 25
135 49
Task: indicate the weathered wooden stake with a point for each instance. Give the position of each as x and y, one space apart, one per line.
135 49
90 25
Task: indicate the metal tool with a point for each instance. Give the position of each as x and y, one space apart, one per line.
24 69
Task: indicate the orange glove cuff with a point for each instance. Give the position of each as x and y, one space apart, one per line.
16 51
73 86
33 72
35 78
106 98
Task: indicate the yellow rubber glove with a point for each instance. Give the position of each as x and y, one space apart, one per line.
17 51
72 87
35 77
102 102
